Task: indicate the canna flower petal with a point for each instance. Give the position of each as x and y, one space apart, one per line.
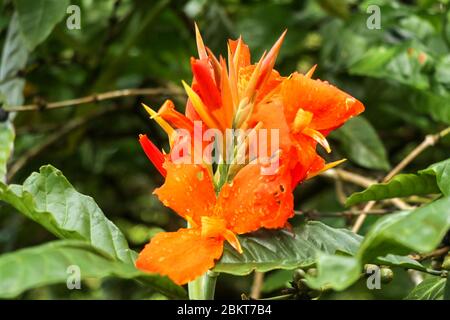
182 256
188 190
162 123
205 84
330 106
269 61
175 118
153 153
240 52
200 108
304 158
254 201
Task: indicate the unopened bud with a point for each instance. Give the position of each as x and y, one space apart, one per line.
299 274
243 112
387 275
446 263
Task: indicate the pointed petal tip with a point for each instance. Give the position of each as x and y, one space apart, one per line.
311 71
202 54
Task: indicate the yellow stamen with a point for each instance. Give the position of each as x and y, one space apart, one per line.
325 168
162 123
233 240
317 136
311 71
302 120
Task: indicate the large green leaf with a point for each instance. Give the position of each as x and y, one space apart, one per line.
38 18
49 199
14 58
420 230
6 146
431 288
434 179
48 264
362 144
281 249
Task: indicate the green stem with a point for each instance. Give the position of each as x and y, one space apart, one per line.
203 287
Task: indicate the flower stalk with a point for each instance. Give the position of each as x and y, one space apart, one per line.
203 287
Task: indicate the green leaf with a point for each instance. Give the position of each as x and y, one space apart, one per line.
49 199
48 264
38 18
402 185
442 172
447 289
420 230
6 146
403 63
14 59
337 272
432 288
362 144
401 262
266 250
434 179
276 280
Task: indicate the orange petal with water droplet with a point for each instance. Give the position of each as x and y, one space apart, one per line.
188 190
182 256
254 200
271 116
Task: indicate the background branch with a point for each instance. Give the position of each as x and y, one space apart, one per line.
98 97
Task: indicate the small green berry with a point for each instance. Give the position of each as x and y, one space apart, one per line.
387 275
312 272
446 263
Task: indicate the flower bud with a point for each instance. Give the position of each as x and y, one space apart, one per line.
387 275
299 274
243 112
369 267
446 263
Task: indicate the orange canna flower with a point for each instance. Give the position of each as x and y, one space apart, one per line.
250 202
236 94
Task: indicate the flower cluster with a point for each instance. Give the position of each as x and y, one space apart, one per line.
222 200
